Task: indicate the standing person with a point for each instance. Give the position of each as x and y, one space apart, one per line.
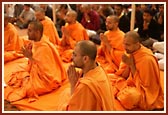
111 48
37 77
72 32
137 86
91 90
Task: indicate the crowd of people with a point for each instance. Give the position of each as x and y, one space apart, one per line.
91 48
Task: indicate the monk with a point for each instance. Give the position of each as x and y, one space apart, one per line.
111 48
91 90
12 42
44 71
72 32
48 25
137 82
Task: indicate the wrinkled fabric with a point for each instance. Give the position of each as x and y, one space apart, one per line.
93 92
144 89
39 76
50 30
77 33
110 60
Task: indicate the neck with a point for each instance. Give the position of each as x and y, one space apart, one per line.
89 67
138 47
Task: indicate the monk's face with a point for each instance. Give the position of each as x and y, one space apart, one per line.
110 24
39 16
130 45
69 18
31 32
77 58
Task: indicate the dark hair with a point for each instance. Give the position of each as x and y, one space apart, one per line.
119 5
148 11
27 5
88 48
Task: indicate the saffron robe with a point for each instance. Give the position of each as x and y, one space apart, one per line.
77 33
110 60
41 75
92 92
143 90
12 43
50 30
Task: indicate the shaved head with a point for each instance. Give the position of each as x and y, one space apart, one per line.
87 48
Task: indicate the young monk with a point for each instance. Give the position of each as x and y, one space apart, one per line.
48 25
72 32
111 48
137 82
91 90
39 76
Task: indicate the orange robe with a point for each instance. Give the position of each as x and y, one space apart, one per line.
142 91
110 60
12 43
92 92
42 75
50 30
77 33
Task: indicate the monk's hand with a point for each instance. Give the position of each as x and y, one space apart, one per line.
27 51
129 60
103 38
65 32
73 75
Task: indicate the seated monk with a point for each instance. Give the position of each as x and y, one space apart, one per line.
48 26
91 89
44 71
111 48
137 82
11 41
72 32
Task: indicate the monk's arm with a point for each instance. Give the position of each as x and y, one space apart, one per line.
12 41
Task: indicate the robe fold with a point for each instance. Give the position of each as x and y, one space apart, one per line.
92 92
50 30
12 43
41 75
143 90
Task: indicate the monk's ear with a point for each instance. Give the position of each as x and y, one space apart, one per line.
85 59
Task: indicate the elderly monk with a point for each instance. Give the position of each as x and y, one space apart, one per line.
137 82
91 89
44 71
111 48
72 32
48 25
11 41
